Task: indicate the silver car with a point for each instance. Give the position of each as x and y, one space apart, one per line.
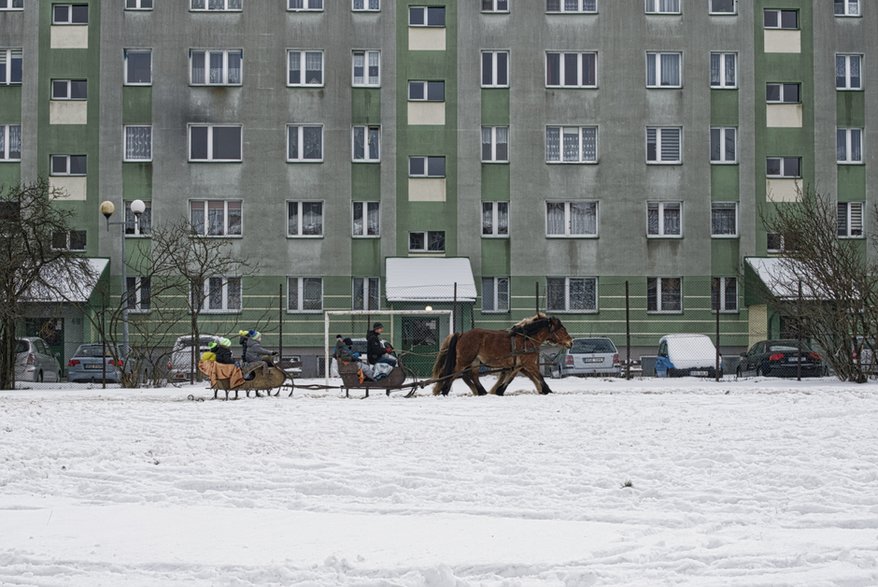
91 362
180 363
34 362
587 356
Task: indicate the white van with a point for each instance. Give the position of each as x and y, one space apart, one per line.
687 354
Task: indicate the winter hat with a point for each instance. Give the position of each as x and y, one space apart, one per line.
225 342
254 334
377 325
348 341
211 345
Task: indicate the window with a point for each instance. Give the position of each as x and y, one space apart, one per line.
783 93
723 7
420 166
495 144
67 165
495 5
365 219
138 4
774 242
426 16
724 219
571 6
215 217
365 293
848 70
664 219
424 91
214 142
138 67
788 167
304 294
138 225
572 294
571 144
571 219
723 70
724 294
366 5
664 294
723 145
305 5
663 145
495 294
663 70
847 7
304 218
366 68
70 14
663 6
495 219
850 219
69 89
10 142
780 19
138 293
221 294
571 70
138 143
71 240
495 69
849 145
216 5
430 241
10 67
305 68
216 67
305 143
366 144
11 4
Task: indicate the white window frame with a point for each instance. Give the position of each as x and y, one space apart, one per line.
568 131
778 14
134 288
656 56
138 225
367 81
659 291
69 20
226 283
67 86
722 83
848 227
662 209
496 136
299 129
302 56
427 241
850 8
6 133
369 142
659 139
299 284
364 287
657 7
847 59
307 6
782 163
426 159
366 209
568 218
210 132
495 6
125 139
847 142
67 160
365 6
492 210
228 6
719 295
784 88
9 56
499 295
716 207
138 4
126 53
589 306
68 240
562 69
226 217
10 5
300 218
713 11
494 56
425 12
424 89
582 7
721 135
207 53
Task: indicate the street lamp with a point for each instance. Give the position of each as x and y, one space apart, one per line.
138 207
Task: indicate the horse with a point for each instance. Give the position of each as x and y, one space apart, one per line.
515 350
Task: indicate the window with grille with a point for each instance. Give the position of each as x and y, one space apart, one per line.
138 143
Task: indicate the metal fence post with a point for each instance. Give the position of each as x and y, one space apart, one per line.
627 333
799 335
718 355
280 321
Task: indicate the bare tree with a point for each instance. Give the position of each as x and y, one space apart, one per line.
36 263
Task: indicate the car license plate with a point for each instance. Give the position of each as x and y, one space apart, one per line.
96 367
795 359
699 373
592 360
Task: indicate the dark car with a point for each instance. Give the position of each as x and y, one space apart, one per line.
781 358
92 362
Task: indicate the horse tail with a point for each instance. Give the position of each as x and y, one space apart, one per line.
444 364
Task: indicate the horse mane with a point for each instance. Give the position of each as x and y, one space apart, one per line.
531 325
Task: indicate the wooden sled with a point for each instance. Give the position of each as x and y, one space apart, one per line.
274 379
350 379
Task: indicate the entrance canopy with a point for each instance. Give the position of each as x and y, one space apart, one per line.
67 286
429 279
781 277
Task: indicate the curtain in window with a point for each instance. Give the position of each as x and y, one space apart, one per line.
652 294
374 143
715 62
312 142
487 218
373 67
3 144
216 4
234 218
373 219
731 144
589 144
235 4
502 218
138 142
583 295
841 151
651 66
555 294
672 219
197 67
197 5
215 293
502 294
555 218
731 63
840 71
553 5
359 299
583 218
312 218
196 217
486 144
723 219
669 5
670 69
590 5
374 294
14 141
216 67
235 58
715 144
571 5
671 294
436 241
856 144
216 218
652 219
359 68
854 66
502 151
571 144
731 293
488 299
292 294
314 67
312 293
553 144
359 143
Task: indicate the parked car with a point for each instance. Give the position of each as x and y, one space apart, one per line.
34 362
686 354
92 363
587 356
180 363
781 358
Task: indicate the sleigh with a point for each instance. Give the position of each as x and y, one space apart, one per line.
229 378
350 377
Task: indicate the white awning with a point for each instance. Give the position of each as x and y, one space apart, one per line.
429 279
782 277
67 289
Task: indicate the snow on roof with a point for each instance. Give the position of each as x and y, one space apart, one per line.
76 290
429 279
782 277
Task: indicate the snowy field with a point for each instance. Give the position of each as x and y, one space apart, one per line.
606 482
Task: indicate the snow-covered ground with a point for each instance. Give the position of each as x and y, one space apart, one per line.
606 482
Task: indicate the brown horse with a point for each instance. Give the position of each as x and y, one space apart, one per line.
516 350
